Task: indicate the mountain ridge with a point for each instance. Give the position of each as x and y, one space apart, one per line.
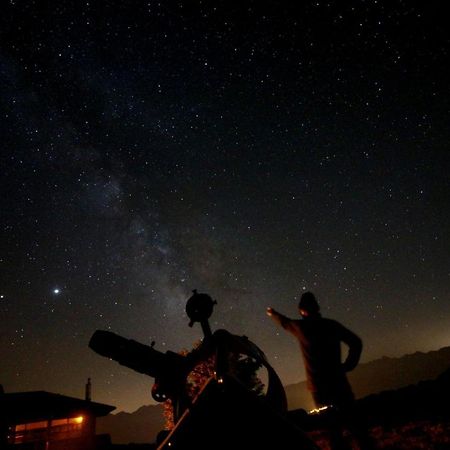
381 374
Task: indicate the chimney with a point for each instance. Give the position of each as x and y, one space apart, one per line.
87 395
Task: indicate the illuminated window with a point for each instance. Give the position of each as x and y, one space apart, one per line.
67 428
28 432
58 422
31 426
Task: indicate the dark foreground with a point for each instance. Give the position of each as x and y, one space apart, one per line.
424 435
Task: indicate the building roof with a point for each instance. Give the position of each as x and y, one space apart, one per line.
31 406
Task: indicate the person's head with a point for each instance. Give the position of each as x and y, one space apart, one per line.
308 305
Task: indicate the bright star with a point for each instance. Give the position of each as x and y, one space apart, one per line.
56 291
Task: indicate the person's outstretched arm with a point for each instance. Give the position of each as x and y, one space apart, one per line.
280 319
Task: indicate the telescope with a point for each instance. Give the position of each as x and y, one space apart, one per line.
139 357
218 416
169 369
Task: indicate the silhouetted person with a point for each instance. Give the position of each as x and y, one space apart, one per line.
320 342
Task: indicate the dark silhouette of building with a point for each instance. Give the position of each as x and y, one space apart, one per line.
40 420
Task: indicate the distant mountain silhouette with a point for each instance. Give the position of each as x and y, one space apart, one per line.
138 427
381 374
395 377
424 401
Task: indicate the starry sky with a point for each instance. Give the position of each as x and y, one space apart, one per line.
251 150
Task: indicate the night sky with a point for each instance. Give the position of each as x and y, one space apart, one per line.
251 150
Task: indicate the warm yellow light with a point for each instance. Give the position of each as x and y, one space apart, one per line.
79 419
318 410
